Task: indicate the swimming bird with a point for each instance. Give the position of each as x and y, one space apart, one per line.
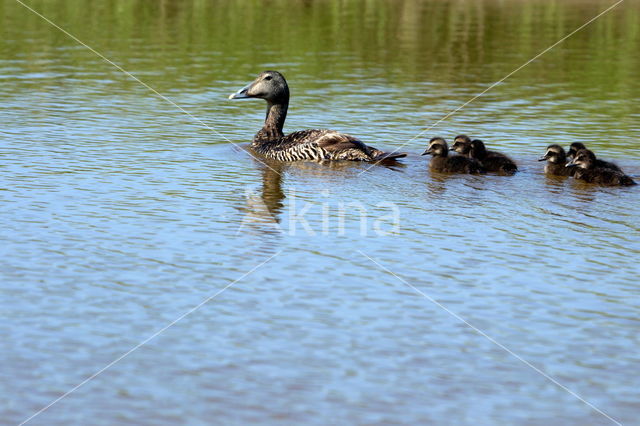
556 161
588 171
577 146
313 144
461 144
491 160
441 162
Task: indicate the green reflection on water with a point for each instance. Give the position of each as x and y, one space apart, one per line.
458 46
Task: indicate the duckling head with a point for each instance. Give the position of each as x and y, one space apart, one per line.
584 159
461 144
269 85
555 154
477 150
574 148
437 147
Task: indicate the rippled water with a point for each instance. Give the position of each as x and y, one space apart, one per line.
121 214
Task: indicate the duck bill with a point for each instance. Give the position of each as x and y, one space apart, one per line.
571 163
426 151
543 158
242 93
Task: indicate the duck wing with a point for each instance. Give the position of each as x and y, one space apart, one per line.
607 165
498 162
339 146
321 144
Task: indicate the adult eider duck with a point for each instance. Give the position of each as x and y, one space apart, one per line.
491 160
313 144
588 171
577 146
461 144
441 162
556 160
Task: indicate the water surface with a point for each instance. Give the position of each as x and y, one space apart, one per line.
120 214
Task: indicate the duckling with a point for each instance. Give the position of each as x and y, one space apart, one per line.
556 161
491 160
461 145
588 171
313 144
441 162
577 146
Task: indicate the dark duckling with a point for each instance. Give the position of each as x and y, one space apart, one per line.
461 145
577 146
314 144
556 161
588 171
491 160
441 162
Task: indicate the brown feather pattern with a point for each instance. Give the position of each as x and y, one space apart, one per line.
313 144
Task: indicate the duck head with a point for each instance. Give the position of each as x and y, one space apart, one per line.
269 85
461 144
555 154
437 147
584 159
477 150
574 148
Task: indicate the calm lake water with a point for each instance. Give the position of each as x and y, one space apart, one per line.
120 214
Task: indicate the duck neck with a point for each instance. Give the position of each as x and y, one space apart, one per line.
274 122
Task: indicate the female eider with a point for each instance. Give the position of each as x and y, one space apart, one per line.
441 162
491 160
556 160
314 144
577 146
588 171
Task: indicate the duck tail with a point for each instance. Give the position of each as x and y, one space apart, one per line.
387 156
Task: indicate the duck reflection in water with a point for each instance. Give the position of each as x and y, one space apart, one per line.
263 206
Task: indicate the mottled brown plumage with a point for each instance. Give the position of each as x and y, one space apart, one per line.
556 160
588 171
577 146
441 162
491 160
314 144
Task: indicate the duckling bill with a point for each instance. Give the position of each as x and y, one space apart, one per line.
442 162
588 171
312 144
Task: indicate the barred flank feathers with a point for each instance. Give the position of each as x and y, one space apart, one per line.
320 144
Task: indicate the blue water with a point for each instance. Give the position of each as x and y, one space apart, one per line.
120 215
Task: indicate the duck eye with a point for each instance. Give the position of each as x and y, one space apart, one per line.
268 77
